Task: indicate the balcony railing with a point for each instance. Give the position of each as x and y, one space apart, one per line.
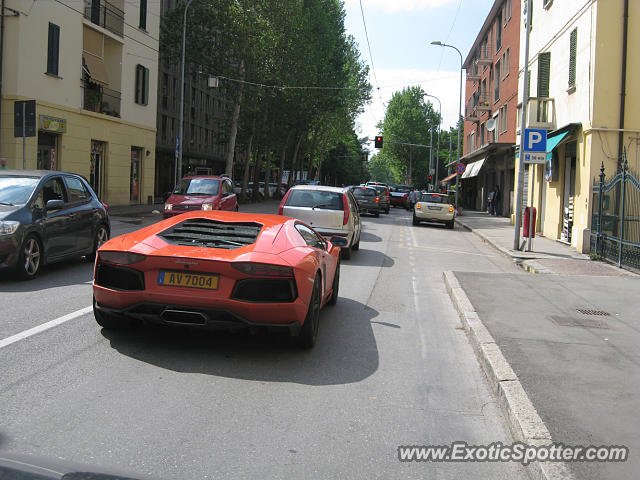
541 113
106 15
99 99
484 56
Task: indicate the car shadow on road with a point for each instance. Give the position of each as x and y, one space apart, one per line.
71 272
369 237
346 350
369 258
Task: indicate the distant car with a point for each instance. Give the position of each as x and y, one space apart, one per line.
385 197
434 207
46 217
400 195
368 200
204 192
331 211
219 270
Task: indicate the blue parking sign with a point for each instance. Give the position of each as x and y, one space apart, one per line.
535 140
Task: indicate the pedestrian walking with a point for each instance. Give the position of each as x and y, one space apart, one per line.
497 197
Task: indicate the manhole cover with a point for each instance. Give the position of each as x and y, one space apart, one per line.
589 311
578 322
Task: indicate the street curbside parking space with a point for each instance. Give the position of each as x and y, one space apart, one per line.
523 420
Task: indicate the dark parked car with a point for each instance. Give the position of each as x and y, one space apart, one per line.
202 192
368 200
46 217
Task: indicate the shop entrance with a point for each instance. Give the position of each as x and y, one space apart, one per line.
47 148
134 178
568 191
96 168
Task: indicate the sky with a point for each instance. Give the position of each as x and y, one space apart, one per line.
400 33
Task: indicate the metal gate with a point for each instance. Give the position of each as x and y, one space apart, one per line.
615 232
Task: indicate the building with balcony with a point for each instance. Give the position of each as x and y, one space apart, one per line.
90 66
205 109
491 106
581 89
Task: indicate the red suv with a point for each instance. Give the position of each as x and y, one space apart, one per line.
202 192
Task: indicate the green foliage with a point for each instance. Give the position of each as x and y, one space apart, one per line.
381 169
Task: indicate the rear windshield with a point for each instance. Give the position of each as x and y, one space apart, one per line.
403 188
364 192
315 198
381 189
198 186
429 197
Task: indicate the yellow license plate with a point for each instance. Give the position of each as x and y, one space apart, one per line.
187 279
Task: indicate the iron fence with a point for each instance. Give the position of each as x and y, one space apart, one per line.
615 232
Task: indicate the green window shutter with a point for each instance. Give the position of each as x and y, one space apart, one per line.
138 93
145 87
544 67
143 14
53 49
573 46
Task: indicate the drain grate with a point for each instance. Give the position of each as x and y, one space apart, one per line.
589 311
578 322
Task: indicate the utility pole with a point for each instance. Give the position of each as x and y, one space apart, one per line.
523 125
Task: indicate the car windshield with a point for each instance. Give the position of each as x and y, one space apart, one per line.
364 192
315 198
431 198
381 189
16 190
198 186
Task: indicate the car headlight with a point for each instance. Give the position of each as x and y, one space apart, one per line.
168 206
8 227
207 206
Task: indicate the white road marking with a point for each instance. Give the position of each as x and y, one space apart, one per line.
45 326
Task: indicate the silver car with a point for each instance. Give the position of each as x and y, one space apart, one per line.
331 211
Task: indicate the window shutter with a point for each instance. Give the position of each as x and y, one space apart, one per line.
544 67
573 45
145 87
53 49
143 14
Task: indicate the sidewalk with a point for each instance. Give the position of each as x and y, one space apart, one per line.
561 354
548 256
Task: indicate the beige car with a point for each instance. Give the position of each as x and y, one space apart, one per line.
434 207
330 211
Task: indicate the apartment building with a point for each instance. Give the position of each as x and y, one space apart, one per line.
491 105
91 67
204 149
582 66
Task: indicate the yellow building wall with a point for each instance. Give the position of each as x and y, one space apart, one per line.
74 148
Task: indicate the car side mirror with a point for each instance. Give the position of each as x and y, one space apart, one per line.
338 241
54 205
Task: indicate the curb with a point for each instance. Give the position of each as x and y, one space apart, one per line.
486 239
525 424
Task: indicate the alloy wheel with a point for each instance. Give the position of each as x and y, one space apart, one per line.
31 256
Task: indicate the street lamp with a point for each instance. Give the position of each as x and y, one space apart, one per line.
438 142
440 44
180 143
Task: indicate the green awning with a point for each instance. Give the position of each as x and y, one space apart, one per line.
553 142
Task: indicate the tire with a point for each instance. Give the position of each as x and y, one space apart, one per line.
346 253
101 236
30 259
109 320
356 246
415 220
377 214
451 224
335 287
309 331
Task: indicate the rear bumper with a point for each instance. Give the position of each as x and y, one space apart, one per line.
328 233
398 201
428 216
200 312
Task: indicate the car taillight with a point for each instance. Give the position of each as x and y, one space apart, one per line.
377 199
263 269
386 192
418 206
106 207
345 201
120 258
451 208
283 202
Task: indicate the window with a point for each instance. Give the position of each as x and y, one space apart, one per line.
507 12
143 14
547 3
54 190
496 83
76 189
310 237
544 67
506 60
573 45
499 32
53 49
503 120
142 85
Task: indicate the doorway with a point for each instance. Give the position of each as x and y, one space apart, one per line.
134 177
47 143
568 191
96 168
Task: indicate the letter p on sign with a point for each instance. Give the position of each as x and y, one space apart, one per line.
535 140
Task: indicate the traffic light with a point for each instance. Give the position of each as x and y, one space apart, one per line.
430 178
378 141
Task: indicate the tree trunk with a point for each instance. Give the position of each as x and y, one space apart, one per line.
267 174
257 163
245 172
295 158
231 147
283 157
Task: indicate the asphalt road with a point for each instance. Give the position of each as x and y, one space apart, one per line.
392 367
